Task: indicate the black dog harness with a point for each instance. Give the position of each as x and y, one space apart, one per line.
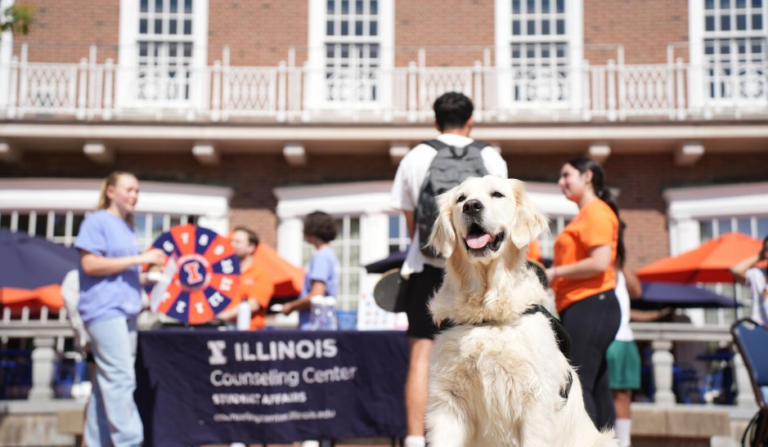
563 341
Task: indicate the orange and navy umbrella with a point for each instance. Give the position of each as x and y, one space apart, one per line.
287 278
710 262
32 269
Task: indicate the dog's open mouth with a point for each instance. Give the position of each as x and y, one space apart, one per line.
478 239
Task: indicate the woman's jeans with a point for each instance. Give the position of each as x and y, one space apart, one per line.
112 417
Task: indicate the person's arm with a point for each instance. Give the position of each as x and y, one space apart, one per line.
95 265
647 316
634 287
317 288
739 271
598 261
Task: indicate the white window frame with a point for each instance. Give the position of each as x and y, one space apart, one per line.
127 75
316 96
67 196
699 91
574 26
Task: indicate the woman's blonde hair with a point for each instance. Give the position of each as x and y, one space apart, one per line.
104 200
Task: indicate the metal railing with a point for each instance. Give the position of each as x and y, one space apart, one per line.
358 93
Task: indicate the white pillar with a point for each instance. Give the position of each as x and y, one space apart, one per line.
663 360
290 238
6 53
43 358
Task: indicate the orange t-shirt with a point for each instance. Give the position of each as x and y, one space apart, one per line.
534 251
255 283
594 226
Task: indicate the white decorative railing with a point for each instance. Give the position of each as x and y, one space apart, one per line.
612 92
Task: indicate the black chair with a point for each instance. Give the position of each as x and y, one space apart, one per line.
752 342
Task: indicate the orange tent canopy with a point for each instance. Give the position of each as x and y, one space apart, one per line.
288 279
710 262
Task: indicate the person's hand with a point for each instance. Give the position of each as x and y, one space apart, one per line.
154 256
288 308
551 274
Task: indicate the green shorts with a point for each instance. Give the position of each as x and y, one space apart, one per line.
623 365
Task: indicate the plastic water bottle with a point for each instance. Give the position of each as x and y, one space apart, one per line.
331 322
317 304
243 316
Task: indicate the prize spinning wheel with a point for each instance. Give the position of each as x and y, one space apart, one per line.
206 277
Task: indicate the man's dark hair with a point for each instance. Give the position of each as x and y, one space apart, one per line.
452 111
320 225
252 238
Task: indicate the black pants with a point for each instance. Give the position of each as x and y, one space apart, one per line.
592 324
419 291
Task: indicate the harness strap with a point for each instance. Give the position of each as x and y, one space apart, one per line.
563 342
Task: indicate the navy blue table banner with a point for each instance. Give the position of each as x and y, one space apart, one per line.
204 386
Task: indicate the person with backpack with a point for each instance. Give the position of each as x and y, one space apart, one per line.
428 170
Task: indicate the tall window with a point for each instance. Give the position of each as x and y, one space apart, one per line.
165 48
539 40
347 248
352 50
735 49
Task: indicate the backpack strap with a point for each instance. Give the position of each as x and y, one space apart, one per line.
439 145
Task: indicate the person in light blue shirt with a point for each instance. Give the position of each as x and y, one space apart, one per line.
110 300
322 274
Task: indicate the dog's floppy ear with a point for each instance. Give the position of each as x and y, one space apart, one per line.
443 237
529 222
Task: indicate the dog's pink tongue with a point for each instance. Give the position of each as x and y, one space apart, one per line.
478 241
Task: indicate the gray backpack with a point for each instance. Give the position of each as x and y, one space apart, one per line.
450 167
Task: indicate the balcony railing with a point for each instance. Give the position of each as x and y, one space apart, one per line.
288 93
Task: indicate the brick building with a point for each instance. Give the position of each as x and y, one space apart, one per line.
256 112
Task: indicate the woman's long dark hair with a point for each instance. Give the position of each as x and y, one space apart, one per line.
584 164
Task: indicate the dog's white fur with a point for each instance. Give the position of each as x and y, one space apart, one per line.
495 378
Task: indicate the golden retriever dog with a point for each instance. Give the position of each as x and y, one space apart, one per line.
498 378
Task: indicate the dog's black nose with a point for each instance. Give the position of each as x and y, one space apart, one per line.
473 207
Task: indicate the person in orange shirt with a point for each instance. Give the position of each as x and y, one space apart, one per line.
534 251
584 281
255 284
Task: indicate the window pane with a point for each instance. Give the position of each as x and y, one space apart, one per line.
757 22
741 22
144 5
706 230
143 26
187 27
77 221
374 28
515 27
23 223
174 5
725 23
329 8
359 7
515 6
741 3
561 27
329 28
725 4
41 224
345 6
158 27
374 7
157 227
345 28
545 6
354 228
762 227
545 27
394 248
745 226
530 6
530 28
710 23
560 6
188 6
724 226
757 3
172 27
158 5
394 227
358 28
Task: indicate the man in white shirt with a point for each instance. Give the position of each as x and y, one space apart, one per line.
453 116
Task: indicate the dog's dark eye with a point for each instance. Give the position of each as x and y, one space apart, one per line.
497 194
461 199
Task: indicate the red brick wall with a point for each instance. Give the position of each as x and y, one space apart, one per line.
258 32
641 179
63 30
644 27
443 23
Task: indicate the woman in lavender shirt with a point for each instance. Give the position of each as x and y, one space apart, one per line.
110 300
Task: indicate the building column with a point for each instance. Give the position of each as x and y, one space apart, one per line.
663 360
290 239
